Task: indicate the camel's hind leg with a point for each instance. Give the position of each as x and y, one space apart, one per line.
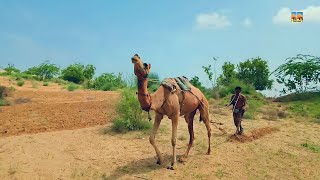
156 124
204 115
189 119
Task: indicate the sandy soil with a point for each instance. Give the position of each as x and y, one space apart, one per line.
49 108
274 150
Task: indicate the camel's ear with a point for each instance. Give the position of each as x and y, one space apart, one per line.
137 55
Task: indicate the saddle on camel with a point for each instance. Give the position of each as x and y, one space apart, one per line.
174 98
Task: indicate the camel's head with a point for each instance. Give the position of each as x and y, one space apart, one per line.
141 70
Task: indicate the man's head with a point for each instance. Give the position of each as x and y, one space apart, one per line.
237 89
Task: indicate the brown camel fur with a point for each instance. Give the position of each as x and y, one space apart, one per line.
173 105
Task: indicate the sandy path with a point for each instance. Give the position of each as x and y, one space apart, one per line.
91 154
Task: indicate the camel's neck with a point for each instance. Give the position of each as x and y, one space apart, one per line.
143 94
150 101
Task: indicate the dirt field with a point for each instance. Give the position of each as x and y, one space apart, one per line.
51 133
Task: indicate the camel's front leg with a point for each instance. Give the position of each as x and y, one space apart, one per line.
156 125
174 142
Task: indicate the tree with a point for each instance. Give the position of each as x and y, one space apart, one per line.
228 74
299 74
255 72
74 73
208 71
45 70
88 73
11 69
195 82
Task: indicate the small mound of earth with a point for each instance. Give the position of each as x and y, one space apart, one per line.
22 100
254 134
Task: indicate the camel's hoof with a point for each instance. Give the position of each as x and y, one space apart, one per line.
172 167
160 161
208 153
183 159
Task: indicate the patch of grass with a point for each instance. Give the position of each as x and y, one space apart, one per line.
182 138
131 117
12 170
20 82
59 81
4 102
34 84
312 147
72 87
45 84
220 174
304 104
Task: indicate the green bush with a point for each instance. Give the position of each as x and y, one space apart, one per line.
3 102
20 82
72 87
131 117
45 83
74 73
108 81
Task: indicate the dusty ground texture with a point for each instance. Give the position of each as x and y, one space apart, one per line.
269 149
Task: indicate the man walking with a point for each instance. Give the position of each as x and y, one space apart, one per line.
239 102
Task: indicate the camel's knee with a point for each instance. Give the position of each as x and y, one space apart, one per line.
174 141
152 139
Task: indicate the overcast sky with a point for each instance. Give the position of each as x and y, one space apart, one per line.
176 37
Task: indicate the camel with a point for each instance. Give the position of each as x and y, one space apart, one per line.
172 104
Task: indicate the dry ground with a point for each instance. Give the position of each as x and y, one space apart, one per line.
273 150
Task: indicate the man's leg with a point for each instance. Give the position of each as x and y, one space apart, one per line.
236 122
240 121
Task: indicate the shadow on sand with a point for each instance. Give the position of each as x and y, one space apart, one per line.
137 169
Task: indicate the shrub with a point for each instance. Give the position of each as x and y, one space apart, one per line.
45 83
108 81
11 69
131 117
74 73
3 102
20 82
72 87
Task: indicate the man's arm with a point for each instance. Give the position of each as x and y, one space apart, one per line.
231 101
244 102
